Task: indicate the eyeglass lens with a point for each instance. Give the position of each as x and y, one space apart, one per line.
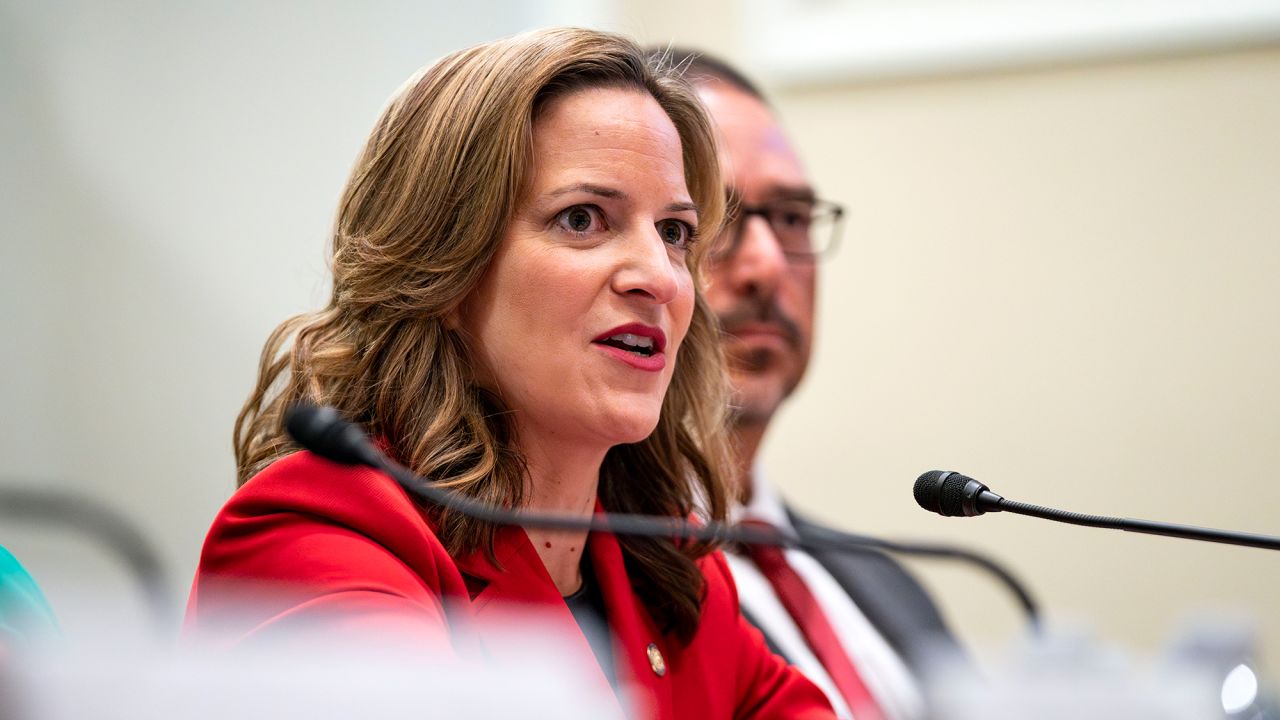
803 229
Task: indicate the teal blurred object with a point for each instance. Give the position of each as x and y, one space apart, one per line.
25 615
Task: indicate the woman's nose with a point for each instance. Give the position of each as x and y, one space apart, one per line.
649 267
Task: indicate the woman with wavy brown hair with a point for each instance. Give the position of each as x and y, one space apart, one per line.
515 316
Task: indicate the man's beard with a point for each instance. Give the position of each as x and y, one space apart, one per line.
745 411
756 309
755 361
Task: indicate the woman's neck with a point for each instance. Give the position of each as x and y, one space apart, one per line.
564 482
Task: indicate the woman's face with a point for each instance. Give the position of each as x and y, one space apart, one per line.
579 318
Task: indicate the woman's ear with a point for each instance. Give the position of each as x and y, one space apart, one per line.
454 321
452 318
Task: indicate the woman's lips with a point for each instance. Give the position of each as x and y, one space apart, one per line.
648 363
645 338
655 334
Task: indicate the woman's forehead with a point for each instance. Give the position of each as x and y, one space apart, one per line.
622 135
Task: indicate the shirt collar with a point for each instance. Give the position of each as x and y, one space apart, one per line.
766 504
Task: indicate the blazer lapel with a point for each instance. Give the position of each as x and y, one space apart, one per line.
518 577
640 652
513 590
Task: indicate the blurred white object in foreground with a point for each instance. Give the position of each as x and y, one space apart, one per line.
532 676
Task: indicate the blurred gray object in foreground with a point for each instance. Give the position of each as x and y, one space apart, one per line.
1207 673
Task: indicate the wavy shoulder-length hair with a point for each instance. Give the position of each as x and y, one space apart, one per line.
425 209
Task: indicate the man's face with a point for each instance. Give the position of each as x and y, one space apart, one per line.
764 300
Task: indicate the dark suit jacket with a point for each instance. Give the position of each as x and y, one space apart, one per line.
890 598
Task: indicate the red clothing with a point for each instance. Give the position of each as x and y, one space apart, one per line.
346 548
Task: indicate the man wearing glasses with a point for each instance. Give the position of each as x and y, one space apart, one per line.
854 622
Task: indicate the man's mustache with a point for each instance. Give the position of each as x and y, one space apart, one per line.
760 311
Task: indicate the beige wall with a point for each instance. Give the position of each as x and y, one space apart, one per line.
1064 281
170 172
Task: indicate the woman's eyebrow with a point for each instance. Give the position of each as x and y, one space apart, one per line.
616 194
591 188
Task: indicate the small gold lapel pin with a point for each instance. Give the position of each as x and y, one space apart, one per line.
655 660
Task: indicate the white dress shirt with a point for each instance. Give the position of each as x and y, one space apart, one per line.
882 670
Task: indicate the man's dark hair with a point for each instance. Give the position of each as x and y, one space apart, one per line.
698 67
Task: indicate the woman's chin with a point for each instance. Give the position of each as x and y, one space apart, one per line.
632 429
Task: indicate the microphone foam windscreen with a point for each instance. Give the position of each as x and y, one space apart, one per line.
952 501
322 430
926 489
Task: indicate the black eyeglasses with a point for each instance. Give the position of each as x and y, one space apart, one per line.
806 230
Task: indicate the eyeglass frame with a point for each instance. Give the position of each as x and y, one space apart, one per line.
739 213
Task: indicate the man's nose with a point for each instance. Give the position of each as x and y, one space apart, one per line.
758 264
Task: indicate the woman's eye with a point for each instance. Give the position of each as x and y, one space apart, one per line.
579 219
676 233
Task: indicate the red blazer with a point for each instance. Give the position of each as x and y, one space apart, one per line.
309 541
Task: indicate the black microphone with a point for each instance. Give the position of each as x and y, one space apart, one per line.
952 494
323 431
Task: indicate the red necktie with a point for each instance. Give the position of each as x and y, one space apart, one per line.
818 633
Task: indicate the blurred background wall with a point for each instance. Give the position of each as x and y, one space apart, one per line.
1059 275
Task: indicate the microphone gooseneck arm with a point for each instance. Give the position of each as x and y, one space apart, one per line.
1147 527
113 531
323 431
952 494
947 552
